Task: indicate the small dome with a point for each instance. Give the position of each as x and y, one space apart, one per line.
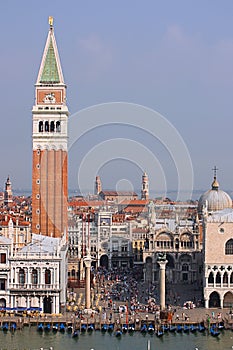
215 199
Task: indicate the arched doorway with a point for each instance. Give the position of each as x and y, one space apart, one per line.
2 303
104 261
228 300
214 300
47 305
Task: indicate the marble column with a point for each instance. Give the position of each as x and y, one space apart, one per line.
87 262
162 278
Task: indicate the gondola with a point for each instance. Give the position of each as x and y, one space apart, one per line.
131 328
165 328
179 328
47 327
83 328
151 328
13 327
221 325
214 331
186 328
91 327
62 328
193 328
143 329
40 327
172 329
55 327
75 334
124 328
104 327
201 328
5 327
69 328
159 333
118 333
110 327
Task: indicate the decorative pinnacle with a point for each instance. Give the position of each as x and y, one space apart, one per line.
51 21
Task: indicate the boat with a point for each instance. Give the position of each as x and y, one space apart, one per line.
47 327
214 331
172 329
110 327
104 327
151 328
143 329
40 327
179 328
193 328
13 326
55 327
165 327
69 328
131 328
91 327
5 327
221 326
83 328
201 327
186 328
159 333
118 333
124 328
75 334
62 328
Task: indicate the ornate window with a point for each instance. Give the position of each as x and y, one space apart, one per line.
47 276
211 278
34 276
229 247
21 276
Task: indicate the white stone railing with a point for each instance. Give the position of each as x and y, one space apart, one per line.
32 256
30 286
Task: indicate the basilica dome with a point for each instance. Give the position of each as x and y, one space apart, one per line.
215 199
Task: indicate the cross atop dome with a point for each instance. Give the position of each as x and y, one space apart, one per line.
215 169
215 184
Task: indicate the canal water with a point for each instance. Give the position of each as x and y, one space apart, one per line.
29 338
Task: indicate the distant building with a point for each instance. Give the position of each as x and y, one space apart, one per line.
34 277
98 185
8 193
118 196
50 138
145 187
218 258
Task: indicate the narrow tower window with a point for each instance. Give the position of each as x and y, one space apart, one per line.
40 126
46 126
52 126
58 127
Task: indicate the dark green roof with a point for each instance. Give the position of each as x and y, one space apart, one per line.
50 71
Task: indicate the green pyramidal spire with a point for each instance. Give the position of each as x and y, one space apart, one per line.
50 71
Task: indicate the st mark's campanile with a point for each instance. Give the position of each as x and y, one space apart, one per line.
50 138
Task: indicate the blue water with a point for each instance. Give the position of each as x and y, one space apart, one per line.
29 339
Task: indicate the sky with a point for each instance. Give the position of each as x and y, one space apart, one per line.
172 57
